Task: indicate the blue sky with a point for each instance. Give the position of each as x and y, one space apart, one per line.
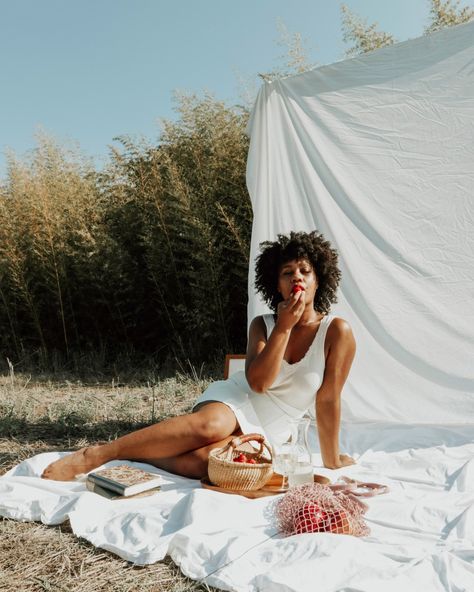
87 71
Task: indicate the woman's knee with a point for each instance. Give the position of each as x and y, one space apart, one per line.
215 423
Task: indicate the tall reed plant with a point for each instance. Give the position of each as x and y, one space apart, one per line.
149 255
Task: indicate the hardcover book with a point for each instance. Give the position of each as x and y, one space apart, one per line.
125 479
113 495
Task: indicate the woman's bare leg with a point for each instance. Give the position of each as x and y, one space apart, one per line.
172 437
192 464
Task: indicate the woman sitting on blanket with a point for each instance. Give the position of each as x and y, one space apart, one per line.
298 357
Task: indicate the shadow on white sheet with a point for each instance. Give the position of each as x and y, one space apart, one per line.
422 531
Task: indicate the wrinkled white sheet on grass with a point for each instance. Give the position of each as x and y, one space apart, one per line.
422 531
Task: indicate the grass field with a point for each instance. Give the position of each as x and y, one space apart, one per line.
41 415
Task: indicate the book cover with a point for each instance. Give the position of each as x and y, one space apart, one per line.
125 479
113 495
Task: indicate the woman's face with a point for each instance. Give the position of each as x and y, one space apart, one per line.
297 273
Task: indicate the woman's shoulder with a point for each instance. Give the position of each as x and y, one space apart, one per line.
262 323
263 319
257 321
339 330
338 322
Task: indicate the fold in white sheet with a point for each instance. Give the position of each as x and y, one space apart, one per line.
422 531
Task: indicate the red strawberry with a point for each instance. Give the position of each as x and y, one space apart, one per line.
241 458
251 461
311 518
296 289
338 522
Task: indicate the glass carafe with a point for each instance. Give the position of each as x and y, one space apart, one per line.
303 467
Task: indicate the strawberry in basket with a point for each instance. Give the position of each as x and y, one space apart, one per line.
242 458
233 469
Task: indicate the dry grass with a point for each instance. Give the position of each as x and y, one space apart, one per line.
48 416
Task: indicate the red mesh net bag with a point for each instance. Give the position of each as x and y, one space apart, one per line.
316 508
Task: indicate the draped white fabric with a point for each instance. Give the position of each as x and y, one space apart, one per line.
422 531
377 153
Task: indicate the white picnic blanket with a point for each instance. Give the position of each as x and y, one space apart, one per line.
422 531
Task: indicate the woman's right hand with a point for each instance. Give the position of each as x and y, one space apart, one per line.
290 311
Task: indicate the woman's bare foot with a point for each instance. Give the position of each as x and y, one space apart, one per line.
344 461
82 461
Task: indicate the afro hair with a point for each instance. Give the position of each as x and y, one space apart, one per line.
298 245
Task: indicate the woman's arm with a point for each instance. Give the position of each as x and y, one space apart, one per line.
328 399
263 358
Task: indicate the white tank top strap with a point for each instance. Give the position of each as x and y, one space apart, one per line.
323 328
325 322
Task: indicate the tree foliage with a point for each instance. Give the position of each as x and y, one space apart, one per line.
296 58
151 254
364 37
446 13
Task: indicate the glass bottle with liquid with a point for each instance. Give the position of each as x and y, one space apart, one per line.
302 470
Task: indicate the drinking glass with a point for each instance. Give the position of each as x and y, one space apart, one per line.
284 461
303 467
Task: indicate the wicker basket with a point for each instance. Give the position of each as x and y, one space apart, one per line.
226 473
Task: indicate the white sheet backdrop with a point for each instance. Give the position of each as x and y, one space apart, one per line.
377 153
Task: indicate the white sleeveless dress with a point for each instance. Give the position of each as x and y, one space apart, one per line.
291 395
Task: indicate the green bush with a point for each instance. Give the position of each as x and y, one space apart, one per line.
149 255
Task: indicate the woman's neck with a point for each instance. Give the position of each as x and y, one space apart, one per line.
309 317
